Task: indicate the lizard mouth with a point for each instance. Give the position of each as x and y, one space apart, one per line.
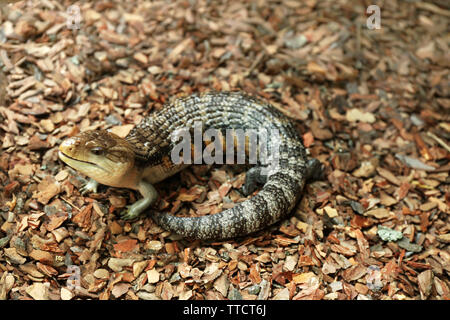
62 155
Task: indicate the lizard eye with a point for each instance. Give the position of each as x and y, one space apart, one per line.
97 151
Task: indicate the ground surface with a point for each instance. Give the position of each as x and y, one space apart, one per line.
372 105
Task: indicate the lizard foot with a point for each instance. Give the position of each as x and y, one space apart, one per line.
129 213
90 186
133 211
314 170
253 178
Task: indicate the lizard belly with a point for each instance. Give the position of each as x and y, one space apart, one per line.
159 172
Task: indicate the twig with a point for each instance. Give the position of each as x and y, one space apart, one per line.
440 141
254 64
433 8
70 203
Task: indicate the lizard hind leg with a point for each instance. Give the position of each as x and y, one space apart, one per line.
253 178
314 170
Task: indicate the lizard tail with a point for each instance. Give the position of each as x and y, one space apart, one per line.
273 202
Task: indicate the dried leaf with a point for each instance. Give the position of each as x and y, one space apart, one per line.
414 163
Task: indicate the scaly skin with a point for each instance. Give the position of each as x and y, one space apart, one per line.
143 158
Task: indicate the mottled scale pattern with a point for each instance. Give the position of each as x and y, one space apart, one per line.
234 110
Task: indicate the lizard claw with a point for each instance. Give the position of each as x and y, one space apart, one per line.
133 211
129 213
90 186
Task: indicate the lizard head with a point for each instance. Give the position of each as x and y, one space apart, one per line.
102 156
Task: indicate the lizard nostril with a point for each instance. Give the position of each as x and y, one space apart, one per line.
67 145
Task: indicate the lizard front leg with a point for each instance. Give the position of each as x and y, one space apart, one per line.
149 194
90 186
